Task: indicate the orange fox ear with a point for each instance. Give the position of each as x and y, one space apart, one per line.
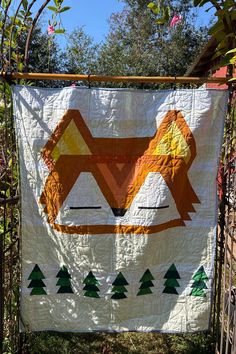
71 142
67 139
173 143
174 138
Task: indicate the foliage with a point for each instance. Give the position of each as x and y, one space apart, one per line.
119 343
134 46
223 29
41 57
81 53
56 10
13 32
15 29
163 12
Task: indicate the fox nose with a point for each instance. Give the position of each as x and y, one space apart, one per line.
119 211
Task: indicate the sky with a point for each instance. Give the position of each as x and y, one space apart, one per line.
94 15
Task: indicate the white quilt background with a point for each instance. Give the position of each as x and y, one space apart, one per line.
117 113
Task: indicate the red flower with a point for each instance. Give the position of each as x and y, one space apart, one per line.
175 20
51 29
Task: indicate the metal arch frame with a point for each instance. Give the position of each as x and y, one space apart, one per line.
224 325
27 44
10 250
29 35
225 281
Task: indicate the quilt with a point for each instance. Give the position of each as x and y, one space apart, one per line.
119 207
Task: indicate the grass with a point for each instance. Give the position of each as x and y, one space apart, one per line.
120 343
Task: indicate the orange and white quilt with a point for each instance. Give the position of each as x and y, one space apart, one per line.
118 195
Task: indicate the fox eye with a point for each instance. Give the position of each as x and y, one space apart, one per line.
85 207
154 208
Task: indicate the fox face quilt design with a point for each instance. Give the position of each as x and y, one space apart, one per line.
124 172
118 207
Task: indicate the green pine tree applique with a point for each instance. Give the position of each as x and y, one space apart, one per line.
171 283
147 283
119 288
91 288
64 281
36 283
199 283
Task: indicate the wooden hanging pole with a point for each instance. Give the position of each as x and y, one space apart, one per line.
100 78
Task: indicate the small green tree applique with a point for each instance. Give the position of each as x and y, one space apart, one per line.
147 283
199 283
91 287
171 283
64 281
119 288
36 283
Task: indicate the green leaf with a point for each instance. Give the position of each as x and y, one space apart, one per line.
8 193
154 8
59 31
66 8
233 60
223 44
229 3
231 51
218 26
217 54
52 8
18 22
220 36
4 4
169 11
233 15
223 62
233 79
166 14
25 4
20 66
160 21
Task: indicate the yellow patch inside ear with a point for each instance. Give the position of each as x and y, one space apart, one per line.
70 143
173 143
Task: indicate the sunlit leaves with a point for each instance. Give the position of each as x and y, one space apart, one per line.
59 31
223 30
66 8
52 8
56 11
163 12
25 4
154 8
